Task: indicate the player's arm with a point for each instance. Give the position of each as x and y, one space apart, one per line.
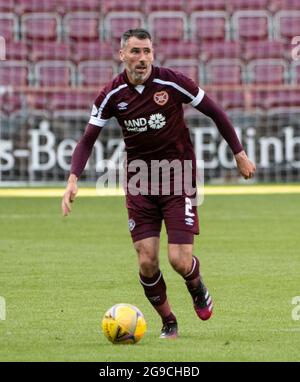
80 156
208 107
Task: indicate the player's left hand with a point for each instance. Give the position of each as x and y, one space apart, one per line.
244 165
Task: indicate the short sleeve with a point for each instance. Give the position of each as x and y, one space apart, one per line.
101 110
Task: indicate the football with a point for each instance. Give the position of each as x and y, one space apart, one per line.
124 324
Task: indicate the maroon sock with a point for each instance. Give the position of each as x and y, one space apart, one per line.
192 278
155 290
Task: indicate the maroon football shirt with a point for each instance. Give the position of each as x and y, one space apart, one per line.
150 115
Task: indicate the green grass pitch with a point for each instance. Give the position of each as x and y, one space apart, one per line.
59 275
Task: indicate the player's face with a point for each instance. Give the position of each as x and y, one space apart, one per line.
137 55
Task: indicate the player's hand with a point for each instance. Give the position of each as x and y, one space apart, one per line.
244 165
69 195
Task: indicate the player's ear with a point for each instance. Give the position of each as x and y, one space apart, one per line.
121 54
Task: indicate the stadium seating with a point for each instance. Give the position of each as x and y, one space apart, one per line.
8 26
220 49
277 5
188 67
75 99
287 25
166 26
54 73
7 6
81 26
215 42
264 49
17 50
40 26
209 26
115 23
265 71
95 73
166 5
14 73
121 6
177 49
233 5
224 72
49 50
26 6
65 6
92 50
205 5
295 72
251 25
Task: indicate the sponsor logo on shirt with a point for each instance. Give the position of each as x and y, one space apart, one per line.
122 106
161 98
156 121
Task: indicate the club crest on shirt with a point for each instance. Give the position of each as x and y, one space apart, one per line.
161 98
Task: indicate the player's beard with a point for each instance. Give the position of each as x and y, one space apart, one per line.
139 78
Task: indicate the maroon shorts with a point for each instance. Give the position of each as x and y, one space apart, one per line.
146 212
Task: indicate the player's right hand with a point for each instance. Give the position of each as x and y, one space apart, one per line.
69 196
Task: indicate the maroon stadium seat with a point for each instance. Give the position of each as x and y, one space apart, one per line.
267 71
220 49
71 100
92 51
277 5
275 98
168 25
251 25
166 5
121 6
8 26
54 73
40 26
14 73
188 67
49 50
65 6
115 23
263 49
95 73
16 50
205 5
177 49
209 26
229 99
82 26
7 6
233 5
295 72
287 25
24 6
224 71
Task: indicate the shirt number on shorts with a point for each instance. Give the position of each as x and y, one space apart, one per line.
188 207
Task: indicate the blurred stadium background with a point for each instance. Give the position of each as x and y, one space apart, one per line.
244 53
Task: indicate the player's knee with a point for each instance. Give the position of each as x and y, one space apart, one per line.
181 260
148 260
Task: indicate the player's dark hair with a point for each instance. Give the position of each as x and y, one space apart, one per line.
140 33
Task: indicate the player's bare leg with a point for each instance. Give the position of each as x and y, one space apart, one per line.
154 285
182 260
